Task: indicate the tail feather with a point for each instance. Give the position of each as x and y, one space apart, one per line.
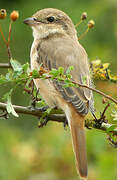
78 141
76 123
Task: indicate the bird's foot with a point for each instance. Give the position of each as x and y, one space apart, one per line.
42 109
42 122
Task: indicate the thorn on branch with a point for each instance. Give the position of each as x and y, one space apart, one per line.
107 74
43 122
65 124
87 126
103 114
34 98
4 114
102 117
30 90
112 142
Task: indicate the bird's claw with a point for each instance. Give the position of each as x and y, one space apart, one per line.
43 122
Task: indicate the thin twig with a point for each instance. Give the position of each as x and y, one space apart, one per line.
103 114
78 23
97 91
9 53
4 39
112 142
8 43
9 36
91 88
82 35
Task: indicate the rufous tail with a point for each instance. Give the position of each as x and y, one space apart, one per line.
76 123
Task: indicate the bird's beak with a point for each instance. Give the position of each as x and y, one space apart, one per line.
29 21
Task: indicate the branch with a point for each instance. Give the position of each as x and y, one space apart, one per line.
35 112
53 116
91 88
97 91
5 65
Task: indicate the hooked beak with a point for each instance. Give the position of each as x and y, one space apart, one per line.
29 21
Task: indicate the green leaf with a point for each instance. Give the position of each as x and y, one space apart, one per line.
25 67
60 78
66 85
69 76
111 128
43 76
35 73
9 107
27 83
54 72
84 79
72 85
69 69
48 111
2 80
61 70
16 65
8 76
114 115
67 81
41 103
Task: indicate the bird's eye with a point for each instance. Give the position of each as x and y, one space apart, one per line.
50 19
35 19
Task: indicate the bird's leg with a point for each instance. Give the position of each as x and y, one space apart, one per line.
42 122
43 109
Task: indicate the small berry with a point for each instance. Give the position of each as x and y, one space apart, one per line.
30 73
91 24
3 13
84 16
104 100
14 15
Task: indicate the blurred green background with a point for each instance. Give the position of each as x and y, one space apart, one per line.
29 153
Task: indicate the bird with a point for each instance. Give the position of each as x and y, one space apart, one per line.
56 45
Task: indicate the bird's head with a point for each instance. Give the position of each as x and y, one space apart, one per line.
51 21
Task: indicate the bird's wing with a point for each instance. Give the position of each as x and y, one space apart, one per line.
54 53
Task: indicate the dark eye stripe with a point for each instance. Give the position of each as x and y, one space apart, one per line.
50 19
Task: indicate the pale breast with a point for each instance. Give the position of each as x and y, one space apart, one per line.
46 88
